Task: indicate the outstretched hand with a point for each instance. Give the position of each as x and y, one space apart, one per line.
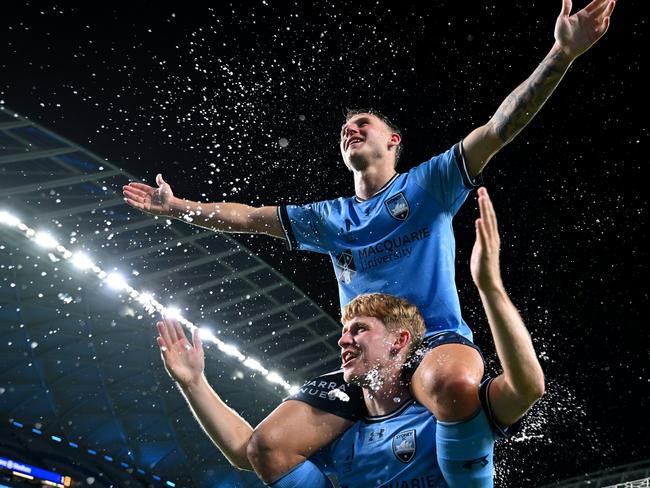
152 200
484 262
578 32
183 361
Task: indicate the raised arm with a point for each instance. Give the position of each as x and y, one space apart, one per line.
521 384
185 363
574 34
220 217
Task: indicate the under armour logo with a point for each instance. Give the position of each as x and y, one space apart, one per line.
481 462
375 435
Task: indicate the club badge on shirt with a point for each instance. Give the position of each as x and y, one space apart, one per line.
398 206
404 445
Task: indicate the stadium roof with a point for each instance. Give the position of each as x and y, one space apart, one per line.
78 358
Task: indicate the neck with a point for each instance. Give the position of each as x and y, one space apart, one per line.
388 397
369 180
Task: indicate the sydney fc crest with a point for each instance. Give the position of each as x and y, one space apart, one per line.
404 446
398 207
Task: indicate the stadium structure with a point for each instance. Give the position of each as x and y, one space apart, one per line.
83 392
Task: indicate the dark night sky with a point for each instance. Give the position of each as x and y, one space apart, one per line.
243 102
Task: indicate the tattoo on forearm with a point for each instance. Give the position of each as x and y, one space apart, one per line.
525 101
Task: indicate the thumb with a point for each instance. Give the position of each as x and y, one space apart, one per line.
159 180
566 7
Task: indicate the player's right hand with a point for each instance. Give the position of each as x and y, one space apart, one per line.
184 361
152 200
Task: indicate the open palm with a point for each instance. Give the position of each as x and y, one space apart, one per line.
152 200
578 32
184 361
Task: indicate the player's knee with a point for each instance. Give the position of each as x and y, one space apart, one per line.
452 394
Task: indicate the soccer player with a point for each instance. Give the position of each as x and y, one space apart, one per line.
397 443
380 239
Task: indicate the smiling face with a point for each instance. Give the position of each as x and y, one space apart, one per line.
366 138
367 351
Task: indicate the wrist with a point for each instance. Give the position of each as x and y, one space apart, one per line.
178 207
561 56
493 288
192 385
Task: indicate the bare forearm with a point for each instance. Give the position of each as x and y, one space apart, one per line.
521 369
519 108
515 112
229 432
227 217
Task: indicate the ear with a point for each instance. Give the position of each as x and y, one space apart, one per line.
394 140
402 341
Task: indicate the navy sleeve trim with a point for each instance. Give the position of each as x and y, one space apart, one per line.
285 223
485 401
459 155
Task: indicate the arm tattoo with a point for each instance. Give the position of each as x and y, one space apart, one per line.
518 109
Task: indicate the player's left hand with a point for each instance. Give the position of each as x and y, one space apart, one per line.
484 262
578 32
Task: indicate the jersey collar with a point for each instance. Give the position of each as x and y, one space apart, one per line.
394 413
381 190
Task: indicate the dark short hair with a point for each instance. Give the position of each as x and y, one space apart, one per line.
351 112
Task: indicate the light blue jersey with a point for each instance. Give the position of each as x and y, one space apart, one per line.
399 242
393 451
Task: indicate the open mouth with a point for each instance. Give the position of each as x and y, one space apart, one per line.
347 357
353 141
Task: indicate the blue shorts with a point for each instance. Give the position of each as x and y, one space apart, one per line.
331 394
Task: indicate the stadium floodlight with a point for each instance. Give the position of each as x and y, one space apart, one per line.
255 365
81 261
115 281
172 313
45 239
8 219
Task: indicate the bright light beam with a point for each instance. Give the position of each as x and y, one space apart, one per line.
116 281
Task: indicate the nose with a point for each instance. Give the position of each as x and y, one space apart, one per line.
345 340
350 129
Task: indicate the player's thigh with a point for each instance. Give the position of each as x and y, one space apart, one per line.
300 428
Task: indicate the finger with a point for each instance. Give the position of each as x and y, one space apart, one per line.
566 8
162 345
164 334
600 9
481 238
142 187
595 5
180 333
135 193
159 179
130 199
171 330
196 339
135 204
605 26
489 214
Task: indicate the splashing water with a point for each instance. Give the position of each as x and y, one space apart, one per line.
338 394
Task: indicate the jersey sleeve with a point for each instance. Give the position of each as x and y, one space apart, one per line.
446 178
501 432
304 227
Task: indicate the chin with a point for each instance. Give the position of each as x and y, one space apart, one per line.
351 378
